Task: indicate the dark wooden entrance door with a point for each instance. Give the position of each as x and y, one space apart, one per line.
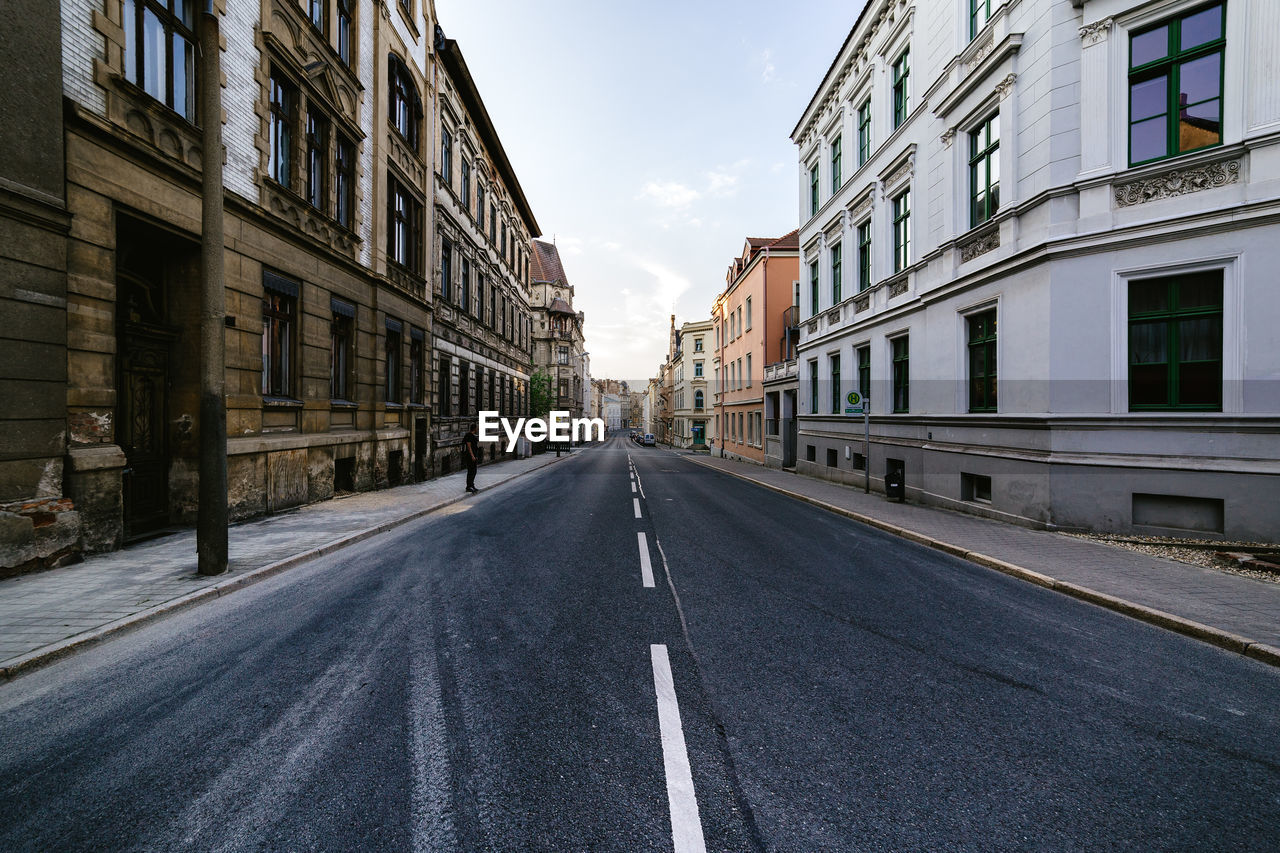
144 349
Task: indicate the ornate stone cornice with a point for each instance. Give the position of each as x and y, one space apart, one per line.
900 174
898 288
1176 182
863 206
1005 87
975 59
1096 32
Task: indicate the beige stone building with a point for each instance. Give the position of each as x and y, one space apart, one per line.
483 228
558 344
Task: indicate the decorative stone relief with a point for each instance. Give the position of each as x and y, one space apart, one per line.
980 54
899 174
862 303
979 244
1096 32
833 316
1005 86
898 288
948 136
813 327
304 218
862 208
1178 182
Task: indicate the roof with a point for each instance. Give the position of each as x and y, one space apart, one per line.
451 56
559 306
834 62
545 263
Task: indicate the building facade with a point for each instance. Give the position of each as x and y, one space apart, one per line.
1034 235
482 337
748 317
558 343
694 424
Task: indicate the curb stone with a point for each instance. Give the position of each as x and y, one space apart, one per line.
45 655
1159 618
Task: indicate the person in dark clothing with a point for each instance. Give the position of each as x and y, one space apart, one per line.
471 456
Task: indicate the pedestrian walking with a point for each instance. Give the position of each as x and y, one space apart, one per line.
471 456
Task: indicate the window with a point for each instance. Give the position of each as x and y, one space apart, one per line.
864 256
562 355
984 171
748 313
864 132
1175 342
748 370
446 270
697 344
901 88
404 231
392 361
493 223
480 296
835 166
697 369
698 399
835 384
318 12
444 388
405 106
160 51
464 286
466 184
902 231
480 206
417 346
813 288
901 374
979 14
1175 69
975 487
345 183
446 156
864 371
493 305
345 16
317 161
279 307
835 274
284 107
341 344
982 362
464 389
813 190
740 326
739 374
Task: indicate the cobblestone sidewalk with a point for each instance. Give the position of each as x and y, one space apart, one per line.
1231 603
44 612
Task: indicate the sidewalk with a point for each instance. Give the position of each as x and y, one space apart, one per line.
1231 611
48 614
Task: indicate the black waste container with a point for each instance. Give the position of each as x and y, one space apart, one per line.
895 480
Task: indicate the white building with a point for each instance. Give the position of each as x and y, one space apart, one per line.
612 412
694 421
1047 261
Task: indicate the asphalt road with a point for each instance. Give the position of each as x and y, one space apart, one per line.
494 677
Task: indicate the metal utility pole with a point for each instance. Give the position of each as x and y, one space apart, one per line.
211 521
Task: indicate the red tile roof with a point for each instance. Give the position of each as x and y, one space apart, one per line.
545 263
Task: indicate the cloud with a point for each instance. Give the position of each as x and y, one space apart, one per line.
768 71
669 194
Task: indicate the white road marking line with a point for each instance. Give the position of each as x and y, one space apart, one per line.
646 567
686 826
633 487
635 504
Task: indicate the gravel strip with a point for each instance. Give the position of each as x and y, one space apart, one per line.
1171 548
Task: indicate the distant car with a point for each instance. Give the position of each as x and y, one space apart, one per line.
648 441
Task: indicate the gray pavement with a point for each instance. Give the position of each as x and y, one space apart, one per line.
1232 603
49 610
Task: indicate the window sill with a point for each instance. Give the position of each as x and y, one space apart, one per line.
343 404
269 402
394 407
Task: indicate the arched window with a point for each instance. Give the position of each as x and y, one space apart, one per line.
405 107
697 399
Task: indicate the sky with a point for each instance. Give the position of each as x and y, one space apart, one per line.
649 146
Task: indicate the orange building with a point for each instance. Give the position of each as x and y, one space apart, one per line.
748 317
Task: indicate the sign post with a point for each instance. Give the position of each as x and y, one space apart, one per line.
857 403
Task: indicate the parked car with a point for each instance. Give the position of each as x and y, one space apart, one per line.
648 441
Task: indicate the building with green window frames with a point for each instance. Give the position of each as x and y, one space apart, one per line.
1060 221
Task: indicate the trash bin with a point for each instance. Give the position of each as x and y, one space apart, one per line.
895 480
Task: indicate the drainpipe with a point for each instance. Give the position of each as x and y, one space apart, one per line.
211 518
